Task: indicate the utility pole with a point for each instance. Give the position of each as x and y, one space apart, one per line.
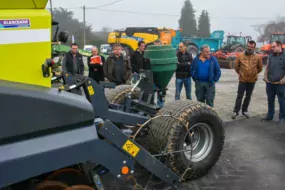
84 31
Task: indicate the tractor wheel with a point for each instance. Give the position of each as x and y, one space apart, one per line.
239 49
232 64
207 137
65 179
193 50
118 94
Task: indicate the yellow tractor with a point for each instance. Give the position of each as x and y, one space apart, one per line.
130 37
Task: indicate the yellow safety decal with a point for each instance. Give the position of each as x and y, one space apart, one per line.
131 148
90 90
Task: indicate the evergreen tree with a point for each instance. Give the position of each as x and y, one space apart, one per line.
204 24
187 20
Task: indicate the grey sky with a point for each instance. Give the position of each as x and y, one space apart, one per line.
223 13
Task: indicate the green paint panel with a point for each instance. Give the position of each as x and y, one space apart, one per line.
163 63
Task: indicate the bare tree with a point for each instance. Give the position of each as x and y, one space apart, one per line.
265 30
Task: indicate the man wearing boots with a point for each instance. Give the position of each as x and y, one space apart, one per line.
274 76
247 65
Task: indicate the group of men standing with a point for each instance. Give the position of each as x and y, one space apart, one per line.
248 65
203 69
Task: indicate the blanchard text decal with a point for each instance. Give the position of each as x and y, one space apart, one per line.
17 23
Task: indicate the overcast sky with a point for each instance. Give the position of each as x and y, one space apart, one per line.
232 16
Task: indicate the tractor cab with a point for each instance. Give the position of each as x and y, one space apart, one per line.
278 37
235 43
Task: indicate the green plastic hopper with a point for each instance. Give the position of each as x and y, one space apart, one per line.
163 63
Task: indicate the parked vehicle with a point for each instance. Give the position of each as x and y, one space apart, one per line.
87 48
280 36
105 49
130 37
234 45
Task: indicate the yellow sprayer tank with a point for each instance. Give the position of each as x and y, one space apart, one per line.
25 41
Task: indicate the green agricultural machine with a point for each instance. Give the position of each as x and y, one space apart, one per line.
53 139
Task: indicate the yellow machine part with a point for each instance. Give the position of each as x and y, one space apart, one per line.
25 41
133 40
23 4
166 35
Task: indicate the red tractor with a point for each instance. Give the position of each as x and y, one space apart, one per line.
280 36
235 44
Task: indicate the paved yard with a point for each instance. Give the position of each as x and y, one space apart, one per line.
226 91
253 158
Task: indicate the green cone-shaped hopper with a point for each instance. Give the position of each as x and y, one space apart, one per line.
163 63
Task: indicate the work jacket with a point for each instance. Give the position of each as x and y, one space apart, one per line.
109 68
68 63
248 67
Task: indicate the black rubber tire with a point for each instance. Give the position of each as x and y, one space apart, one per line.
192 112
232 64
239 49
118 94
192 48
130 32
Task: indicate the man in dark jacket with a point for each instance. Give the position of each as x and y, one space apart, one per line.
73 62
117 68
183 72
96 71
274 76
138 60
205 71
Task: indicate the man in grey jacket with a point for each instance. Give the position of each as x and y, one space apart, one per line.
274 77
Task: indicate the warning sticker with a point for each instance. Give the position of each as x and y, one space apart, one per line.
15 23
131 148
90 90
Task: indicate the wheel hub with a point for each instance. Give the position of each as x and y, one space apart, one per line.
201 140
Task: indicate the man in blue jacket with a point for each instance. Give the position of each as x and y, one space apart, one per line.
205 71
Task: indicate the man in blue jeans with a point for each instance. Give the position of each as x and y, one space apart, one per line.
274 76
183 72
205 71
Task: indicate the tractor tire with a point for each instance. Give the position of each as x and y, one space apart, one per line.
118 94
232 64
190 112
239 49
193 50
130 32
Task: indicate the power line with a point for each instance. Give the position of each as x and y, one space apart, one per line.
98 8
177 15
111 3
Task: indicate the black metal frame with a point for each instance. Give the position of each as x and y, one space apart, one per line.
102 109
